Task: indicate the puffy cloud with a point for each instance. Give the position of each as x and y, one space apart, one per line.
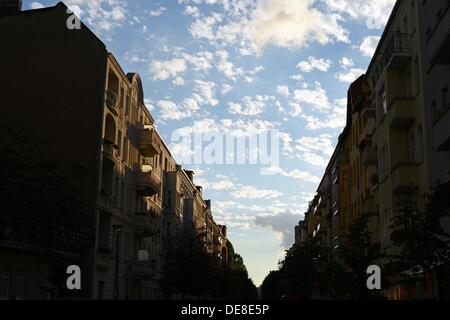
369 45
251 192
163 70
227 67
102 15
316 97
295 174
315 150
282 223
157 12
283 90
292 24
226 88
179 81
314 63
346 63
350 75
374 13
206 92
36 5
250 106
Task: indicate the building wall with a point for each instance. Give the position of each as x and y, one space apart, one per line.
48 100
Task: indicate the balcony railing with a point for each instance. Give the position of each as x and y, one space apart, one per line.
401 113
109 150
397 53
147 184
112 102
148 144
404 177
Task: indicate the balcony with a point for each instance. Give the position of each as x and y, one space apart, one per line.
368 112
148 144
112 102
109 150
145 224
397 53
401 113
142 267
147 184
369 156
404 178
322 202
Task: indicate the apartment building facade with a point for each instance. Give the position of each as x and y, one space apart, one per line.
97 142
397 131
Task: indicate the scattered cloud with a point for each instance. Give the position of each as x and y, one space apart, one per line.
369 45
314 63
165 69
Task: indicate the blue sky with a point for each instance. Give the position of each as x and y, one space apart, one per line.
253 66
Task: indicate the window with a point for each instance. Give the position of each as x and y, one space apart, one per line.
20 285
382 100
104 231
420 145
5 279
412 148
417 76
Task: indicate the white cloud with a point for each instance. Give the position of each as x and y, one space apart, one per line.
157 12
250 106
335 119
295 174
227 67
204 27
134 57
315 150
226 88
297 77
283 90
346 63
103 15
251 192
179 81
252 25
191 11
316 97
350 75
292 24
314 63
201 61
206 91
374 13
369 45
163 70
36 5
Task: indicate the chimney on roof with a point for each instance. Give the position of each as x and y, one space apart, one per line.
10 7
200 190
190 174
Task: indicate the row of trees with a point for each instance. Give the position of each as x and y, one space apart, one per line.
191 273
309 271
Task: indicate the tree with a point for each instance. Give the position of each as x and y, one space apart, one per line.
297 271
271 288
358 253
423 243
